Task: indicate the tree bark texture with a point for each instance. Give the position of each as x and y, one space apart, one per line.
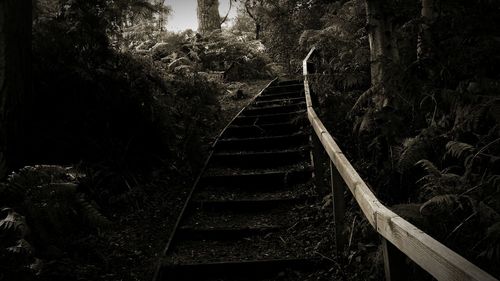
257 30
383 49
3 96
253 15
424 44
15 76
208 16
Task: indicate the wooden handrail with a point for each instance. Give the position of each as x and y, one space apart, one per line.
434 257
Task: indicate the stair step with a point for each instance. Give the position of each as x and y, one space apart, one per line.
284 215
263 119
224 193
224 233
283 95
249 248
273 109
260 178
289 82
271 142
284 88
262 130
251 115
255 270
285 101
250 204
263 159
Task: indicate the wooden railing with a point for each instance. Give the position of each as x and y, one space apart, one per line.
398 235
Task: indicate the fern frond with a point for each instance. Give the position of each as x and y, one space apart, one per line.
429 167
13 223
178 62
440 204
495 111
459 149
493 232
12 192
415 150
31 178
410 212
366 123
487 214
365 97
62 188
492 243
494 182
22 248
90 213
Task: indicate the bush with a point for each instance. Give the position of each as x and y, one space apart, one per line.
187 53
103 106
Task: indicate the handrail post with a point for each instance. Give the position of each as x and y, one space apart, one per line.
338 187
395 266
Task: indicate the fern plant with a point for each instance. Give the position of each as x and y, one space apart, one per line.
16 253
12 225
447 205
491 252
437 182
459 149
50 198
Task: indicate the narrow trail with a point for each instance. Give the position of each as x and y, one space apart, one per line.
245 219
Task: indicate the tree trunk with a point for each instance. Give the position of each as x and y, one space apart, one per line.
257 31
254 16
15 77
424 45
383 49
3 94
208 16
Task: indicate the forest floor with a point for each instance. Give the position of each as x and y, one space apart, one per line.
130 249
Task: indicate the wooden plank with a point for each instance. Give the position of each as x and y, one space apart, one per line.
432 256
338 209
304 62
366 199
394 263
308 92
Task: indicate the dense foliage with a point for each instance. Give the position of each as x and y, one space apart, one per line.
115 116
435 143
119 100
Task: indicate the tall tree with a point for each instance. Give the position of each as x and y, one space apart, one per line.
380 36
208 16
162 11
15 71
383 49
424 48
3 94
253 9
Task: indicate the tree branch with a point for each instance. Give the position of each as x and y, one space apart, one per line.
247 7
229 10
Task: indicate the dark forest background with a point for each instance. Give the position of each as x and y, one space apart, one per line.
106 117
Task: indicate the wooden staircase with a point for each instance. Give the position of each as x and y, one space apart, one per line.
238 223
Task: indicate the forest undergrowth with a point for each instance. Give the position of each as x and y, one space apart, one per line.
114 136
103 150
432 152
